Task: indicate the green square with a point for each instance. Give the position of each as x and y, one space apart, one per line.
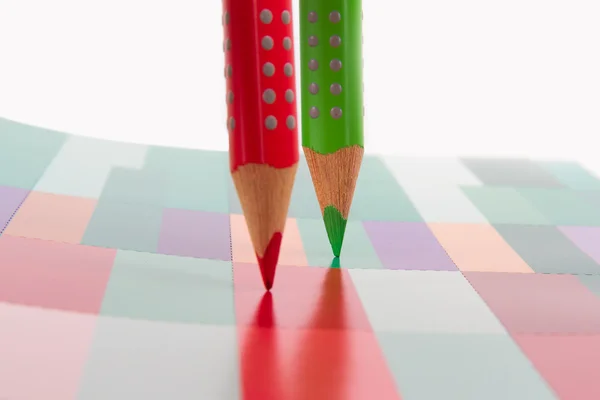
504 205
572 175
196 179
562 206
379 197
158 287
124 226
465 367
133 186
26 152
357 250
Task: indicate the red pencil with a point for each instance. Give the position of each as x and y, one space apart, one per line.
262 118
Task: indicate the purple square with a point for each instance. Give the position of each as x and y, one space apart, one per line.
587 238
195 234
408 246
10 200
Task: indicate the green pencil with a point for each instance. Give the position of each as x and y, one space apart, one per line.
332 105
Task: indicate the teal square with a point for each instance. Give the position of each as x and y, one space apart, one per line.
304 203
166 288
124 226
197 179
26 152
379 197
135 186
504 205
592 282
357 250
461 366
573 175
562 206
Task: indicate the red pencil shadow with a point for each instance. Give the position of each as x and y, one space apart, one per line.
307 364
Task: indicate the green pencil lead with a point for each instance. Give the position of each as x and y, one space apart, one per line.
335 225
335 263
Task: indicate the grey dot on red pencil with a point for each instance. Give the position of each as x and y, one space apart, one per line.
286 17
266 16
290 122
287 43
230 97
271 122
289 96
231 123
267 42
269 96
268 69
288 70
229 70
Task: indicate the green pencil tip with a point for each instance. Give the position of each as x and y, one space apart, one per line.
335 225
335 263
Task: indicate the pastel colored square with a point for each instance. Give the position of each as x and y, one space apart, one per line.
586 238
408 246
10 200
539 303
443 203
157 361
302 298
422 302
430 171
190 187
291 252
133 186
478 247
517 172
573 175
53 275
313 364
465 367
43 352
569 364
199 234
82 166
26 152
379 197
504 205
304 203
357 250
124 226
546 250
52 217
592 282
157 287
563 206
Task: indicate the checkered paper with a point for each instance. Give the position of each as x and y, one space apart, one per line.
126 272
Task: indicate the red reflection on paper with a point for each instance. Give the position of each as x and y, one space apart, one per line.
312 362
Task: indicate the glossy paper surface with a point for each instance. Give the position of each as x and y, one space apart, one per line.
124 274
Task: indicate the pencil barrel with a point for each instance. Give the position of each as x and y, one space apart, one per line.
260 82
331 74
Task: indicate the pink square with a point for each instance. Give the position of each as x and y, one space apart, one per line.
539 303
53 275
570 364
52 217
43 352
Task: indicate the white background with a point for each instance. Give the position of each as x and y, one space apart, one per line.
460 77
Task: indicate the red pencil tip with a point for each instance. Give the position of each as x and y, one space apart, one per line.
268 263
